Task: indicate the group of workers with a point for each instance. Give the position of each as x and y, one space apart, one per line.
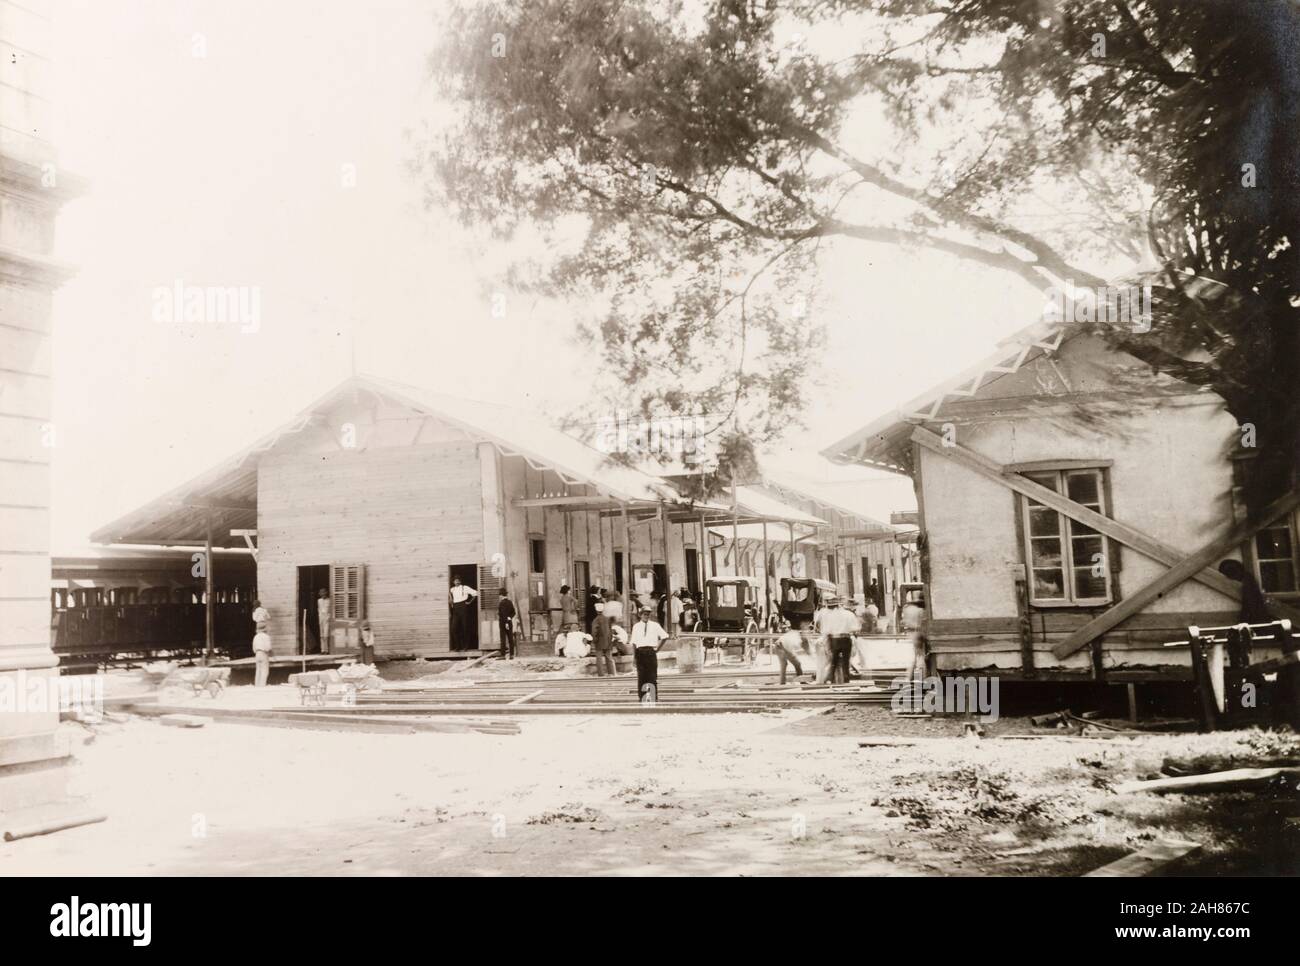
262 638
836 627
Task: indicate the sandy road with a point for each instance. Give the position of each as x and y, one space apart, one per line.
754 794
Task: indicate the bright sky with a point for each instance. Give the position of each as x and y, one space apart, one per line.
228 169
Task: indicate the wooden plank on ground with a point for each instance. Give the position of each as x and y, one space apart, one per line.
1148 861
1236 779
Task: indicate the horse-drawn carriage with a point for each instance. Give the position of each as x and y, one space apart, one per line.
802 597
735 605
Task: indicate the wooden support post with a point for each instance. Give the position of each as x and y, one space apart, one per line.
790 524
705 553
1132 703
735 527
663 537
767 591
627 564
209 631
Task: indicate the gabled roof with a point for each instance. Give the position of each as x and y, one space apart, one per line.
878 443
227 493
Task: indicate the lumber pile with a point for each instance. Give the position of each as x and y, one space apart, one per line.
696 692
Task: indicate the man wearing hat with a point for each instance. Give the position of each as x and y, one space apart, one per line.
838 625
261 656
647 637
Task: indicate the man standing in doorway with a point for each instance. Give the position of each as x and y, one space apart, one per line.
462 605
323 613
646 639
506 623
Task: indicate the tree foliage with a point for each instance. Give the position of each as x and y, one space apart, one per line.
685 163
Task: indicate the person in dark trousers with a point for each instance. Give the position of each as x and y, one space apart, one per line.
506 621
839 625
602 645
462 613
647 637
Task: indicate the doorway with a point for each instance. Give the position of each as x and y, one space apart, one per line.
311 581
462 618
693 572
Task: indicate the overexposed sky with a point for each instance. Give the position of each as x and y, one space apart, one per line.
228 169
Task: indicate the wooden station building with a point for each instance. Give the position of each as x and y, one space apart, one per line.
1074 507
381 493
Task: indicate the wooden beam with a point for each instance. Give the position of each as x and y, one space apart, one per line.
1147 861
209 633
582 501
1180 572
1219 781
1127 535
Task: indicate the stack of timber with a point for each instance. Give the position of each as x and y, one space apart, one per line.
703 692
333 719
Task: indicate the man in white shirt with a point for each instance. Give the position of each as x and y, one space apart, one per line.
838 625
261 656
462 613
646 637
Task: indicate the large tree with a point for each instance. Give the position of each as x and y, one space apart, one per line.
682 165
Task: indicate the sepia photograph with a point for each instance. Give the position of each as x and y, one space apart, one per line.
650 438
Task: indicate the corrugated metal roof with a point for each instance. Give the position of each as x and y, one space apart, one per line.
230 487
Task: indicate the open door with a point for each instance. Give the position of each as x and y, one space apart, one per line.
311 581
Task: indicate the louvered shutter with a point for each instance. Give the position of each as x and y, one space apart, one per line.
489 590
347 590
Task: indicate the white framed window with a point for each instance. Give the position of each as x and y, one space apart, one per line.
1066 559
1276 564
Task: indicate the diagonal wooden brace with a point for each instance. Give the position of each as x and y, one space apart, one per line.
1135 539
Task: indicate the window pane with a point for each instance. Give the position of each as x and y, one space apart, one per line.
1273 543
1043 521
1046 553
1048 480
1086 585
1084 488
1277 576
1084 550
1049 584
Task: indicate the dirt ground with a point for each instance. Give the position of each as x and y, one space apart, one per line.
751 794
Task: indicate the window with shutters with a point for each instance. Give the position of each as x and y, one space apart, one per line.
347 591
1067 560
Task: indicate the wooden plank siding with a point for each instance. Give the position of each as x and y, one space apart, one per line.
407 513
